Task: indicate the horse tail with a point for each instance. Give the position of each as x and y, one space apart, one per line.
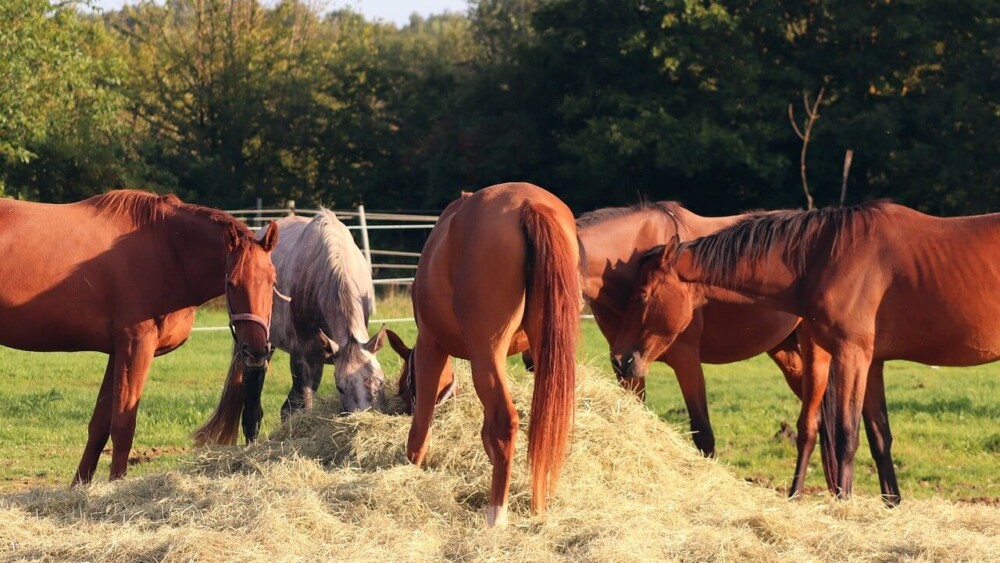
553 284
223 426
828 434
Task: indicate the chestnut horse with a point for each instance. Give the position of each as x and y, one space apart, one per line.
499 271
122 273
614 241
874 282
324 320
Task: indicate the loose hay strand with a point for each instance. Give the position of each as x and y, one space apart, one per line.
325 486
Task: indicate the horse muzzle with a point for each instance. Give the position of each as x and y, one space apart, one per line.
628 365
256 358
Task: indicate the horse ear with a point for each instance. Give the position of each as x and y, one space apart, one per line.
669 250
397 344
375 343
329 347
270 237
232 237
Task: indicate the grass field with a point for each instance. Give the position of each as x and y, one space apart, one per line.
945 421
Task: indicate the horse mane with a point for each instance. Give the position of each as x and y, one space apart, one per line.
334 269
599 216
145 208
793 234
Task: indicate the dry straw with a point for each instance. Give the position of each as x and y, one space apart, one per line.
326 487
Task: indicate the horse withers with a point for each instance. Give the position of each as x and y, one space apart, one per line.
499 272
873 282
328 296
122 273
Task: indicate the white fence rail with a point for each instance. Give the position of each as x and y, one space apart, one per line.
365 224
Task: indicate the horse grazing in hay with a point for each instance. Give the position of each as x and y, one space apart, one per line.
615 240
122 273
324 320
498 271
873 282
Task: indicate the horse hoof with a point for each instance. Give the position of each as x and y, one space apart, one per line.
496 516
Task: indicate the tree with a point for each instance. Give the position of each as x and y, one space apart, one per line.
60 129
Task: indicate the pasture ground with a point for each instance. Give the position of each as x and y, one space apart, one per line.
946 421
327 487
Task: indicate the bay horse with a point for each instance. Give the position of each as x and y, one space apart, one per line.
615 241
323 320
499 272
873 282
122 273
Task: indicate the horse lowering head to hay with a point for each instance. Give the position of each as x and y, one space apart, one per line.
324 319
498 271
617 241
874 282
122 273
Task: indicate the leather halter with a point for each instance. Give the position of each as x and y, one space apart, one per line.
248 317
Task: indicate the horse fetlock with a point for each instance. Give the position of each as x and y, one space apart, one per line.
496 516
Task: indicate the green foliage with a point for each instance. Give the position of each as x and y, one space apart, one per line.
602 101
60 105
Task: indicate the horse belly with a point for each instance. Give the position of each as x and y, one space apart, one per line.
939 328
732 333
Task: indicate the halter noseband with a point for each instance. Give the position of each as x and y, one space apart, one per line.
248 317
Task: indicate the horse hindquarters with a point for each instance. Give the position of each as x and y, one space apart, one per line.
552 322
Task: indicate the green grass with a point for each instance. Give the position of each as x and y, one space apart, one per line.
945 421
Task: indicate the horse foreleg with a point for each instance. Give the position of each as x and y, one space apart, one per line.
99 429
500 425
133 356
850 378
879 436
429 365
686 363
816 362
300 394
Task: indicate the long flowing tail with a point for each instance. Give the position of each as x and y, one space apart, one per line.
554 284
223 426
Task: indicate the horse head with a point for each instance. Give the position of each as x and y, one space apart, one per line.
660 308
250 280
357 371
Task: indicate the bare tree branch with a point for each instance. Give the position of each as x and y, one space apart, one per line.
812 114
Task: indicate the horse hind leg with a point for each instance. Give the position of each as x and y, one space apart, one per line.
99 429
499 433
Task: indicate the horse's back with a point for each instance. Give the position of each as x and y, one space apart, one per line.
934 281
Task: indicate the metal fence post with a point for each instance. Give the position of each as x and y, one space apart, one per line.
365 246
260 207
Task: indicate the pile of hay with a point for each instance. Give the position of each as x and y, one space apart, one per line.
329 487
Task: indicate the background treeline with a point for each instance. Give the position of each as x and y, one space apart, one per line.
600 101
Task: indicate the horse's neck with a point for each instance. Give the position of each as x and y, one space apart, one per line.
200 248
613 249
770 283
